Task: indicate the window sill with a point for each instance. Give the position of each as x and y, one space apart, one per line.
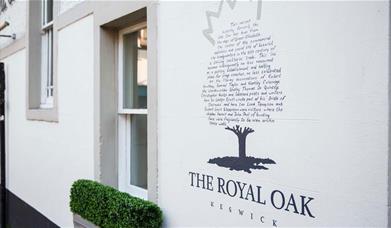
47 106
48 115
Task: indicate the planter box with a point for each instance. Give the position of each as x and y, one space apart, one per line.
79 222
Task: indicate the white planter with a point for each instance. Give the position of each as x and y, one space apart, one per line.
79 222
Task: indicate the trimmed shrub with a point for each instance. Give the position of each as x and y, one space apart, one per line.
107 207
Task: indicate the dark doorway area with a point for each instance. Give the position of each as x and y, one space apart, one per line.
2 145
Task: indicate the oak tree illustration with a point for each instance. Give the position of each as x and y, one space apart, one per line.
242 135
242 162
242 90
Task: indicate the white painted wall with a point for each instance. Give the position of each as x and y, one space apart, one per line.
329 143
15 14
45 158
68 4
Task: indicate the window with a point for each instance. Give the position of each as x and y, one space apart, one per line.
133 110
47 55
41 36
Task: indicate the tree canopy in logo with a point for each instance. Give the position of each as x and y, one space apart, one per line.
242 88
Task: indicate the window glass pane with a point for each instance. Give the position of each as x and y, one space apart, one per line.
135 80
138 151
44 66
49 10
47 69
50 59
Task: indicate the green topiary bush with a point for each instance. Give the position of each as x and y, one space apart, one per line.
107 207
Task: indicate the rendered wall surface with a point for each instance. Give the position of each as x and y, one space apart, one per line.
328 139
45 158
15 14
66 5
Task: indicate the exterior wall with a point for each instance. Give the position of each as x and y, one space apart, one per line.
66 5
330 142
45 158
79 73
15 14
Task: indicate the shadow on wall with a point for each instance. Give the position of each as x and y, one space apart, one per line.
19 214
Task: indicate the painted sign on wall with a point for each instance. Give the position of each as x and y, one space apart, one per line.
261 114
243 86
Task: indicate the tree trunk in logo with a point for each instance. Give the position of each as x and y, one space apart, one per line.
242 146
242 135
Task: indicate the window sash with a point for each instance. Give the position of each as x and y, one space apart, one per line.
124 156
47 85
125 123
122 33
47 27
133 111
141 192
47 12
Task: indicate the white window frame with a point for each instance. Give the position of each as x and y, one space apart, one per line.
121 109
124 124
47 85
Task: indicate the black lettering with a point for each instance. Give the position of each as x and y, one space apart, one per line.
209 185
304 206
250 193
259 196
202 180
241 73
291 202
241 188
282 199
241 212
220 184
191 178
228 188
